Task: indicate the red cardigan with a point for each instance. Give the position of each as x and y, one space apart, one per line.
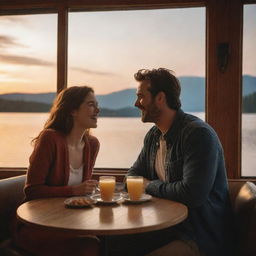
48 172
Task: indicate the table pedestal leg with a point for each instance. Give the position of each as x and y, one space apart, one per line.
103 246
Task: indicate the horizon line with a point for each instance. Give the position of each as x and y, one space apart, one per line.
130 88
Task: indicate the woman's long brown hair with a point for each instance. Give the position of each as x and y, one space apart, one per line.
65 103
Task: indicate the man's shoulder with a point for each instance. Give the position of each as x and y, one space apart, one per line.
191 121
193 125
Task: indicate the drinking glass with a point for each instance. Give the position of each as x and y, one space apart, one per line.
135 187
107 187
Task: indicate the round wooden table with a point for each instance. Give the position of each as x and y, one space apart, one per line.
114 219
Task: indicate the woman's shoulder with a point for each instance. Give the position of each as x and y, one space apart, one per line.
93 140
51 133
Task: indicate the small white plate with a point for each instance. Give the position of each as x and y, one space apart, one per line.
116 198
144 198
79 202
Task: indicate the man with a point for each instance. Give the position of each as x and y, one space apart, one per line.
182 160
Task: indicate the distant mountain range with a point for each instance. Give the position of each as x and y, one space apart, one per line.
120 103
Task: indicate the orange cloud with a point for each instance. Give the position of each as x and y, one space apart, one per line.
13 18
23 60
93 72
7 41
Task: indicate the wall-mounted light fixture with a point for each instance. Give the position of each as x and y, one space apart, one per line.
223 56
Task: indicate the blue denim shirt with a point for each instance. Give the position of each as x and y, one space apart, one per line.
195 176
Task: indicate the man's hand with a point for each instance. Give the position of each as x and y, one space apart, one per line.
146 182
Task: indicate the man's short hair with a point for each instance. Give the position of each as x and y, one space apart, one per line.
162 80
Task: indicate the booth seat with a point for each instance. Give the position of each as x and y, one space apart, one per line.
11 196
243 199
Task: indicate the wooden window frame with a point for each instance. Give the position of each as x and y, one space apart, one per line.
224 24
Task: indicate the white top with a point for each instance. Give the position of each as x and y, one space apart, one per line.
160 159
75 175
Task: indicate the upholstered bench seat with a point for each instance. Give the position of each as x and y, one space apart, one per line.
11 196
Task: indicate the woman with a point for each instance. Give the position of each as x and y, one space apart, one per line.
61 166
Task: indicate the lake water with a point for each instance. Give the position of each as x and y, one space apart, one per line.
121 140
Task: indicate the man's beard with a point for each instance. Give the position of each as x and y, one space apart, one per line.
150 114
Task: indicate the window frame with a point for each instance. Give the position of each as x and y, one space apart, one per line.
224 24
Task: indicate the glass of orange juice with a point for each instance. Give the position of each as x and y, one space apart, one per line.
107 187
135 187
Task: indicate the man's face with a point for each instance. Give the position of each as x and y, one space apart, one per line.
146 103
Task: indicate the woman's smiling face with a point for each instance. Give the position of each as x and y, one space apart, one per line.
87 114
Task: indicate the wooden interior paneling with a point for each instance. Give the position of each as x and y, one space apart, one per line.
118 173
99 4
224 25
10 172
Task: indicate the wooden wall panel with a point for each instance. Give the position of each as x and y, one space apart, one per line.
9 172
224 88
99 4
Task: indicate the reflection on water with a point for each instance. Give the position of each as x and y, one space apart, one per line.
121 139
248 144
16 132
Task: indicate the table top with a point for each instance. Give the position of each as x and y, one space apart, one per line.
114 219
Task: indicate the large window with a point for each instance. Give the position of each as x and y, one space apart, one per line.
249 92
107 48
28 55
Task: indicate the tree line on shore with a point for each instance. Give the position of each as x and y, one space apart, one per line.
29 106
248 106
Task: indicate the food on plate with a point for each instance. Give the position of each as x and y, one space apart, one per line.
80 202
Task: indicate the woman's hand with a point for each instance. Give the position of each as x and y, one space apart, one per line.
86 187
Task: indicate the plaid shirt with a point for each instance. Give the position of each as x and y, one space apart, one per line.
195 176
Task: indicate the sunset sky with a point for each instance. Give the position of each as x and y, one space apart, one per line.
107 48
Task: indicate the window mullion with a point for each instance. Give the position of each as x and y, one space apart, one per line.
62 52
